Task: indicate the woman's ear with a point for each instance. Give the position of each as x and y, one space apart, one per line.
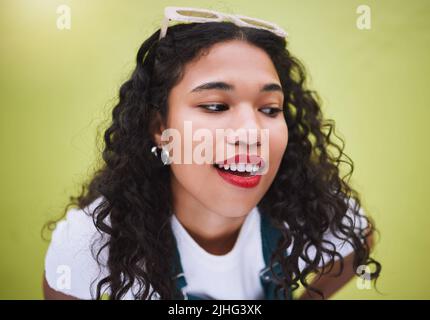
156 128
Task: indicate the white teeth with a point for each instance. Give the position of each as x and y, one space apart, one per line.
241 167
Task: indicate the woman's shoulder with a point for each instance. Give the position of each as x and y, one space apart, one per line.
355 219
70 263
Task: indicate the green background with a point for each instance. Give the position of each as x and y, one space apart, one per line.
57 88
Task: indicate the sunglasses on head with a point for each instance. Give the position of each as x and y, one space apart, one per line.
187 14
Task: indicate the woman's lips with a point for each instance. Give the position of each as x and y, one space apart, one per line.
241 179
250 181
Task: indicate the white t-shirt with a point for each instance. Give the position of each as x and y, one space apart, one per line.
71 269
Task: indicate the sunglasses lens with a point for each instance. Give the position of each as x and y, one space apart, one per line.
198 14
258 23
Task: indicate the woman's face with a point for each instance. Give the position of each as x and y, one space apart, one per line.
240 103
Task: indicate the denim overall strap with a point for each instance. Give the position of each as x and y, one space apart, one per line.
179 276
180 280
269 236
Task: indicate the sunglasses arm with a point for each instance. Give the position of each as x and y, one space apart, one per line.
164 27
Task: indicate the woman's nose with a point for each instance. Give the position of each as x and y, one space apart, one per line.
245 126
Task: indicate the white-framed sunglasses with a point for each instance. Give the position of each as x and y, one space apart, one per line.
187 14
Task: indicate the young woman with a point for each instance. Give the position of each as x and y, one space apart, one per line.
148 228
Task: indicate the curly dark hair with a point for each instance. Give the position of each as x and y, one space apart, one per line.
308 192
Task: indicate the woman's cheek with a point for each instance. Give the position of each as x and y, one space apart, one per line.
278 145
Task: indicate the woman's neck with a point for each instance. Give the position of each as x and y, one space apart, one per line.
215 233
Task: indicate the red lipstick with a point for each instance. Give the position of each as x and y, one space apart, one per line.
243 179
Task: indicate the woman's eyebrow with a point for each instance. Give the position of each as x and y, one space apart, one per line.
220 85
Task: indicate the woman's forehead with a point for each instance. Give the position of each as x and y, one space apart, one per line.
234 62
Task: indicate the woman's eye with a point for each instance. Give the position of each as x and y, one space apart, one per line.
217 107
214 107
270 111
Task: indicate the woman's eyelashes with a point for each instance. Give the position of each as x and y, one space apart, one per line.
273 112
218 107
214 107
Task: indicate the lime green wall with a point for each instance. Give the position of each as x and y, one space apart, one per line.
57 86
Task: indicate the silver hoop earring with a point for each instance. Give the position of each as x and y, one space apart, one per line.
154 151
165 157
164 154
